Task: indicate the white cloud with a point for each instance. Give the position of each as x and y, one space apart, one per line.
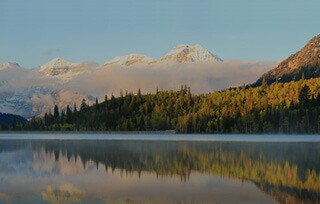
201 78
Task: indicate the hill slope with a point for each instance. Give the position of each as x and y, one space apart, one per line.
305 62
8 120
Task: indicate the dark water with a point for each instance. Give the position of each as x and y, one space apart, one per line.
122 171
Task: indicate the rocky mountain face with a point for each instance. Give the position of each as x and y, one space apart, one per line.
305 63
62 69
129 60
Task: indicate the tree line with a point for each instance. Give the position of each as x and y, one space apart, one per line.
292 107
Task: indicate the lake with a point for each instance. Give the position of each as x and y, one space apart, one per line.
109 168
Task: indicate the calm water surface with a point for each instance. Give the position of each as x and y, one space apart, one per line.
80 169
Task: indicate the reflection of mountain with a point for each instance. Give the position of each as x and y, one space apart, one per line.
286 168
66 193
54 163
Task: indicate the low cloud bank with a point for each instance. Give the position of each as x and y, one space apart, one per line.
27 93
202 78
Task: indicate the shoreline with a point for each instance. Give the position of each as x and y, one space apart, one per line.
166 132
156 136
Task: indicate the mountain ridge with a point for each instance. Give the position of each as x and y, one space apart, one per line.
129 60
303 64
9 65
181 53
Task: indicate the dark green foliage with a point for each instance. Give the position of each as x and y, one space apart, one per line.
56 114
10 121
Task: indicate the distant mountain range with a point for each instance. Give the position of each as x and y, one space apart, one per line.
179 54
65 70
30 92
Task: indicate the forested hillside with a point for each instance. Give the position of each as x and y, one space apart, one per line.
292 107
10 121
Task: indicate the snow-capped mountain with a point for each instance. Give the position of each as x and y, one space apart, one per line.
179 54
186 53
61 68
30 92
129 60
9 65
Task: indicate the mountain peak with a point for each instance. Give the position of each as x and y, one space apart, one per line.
131 59
56 63
9 65
59 67
179 46
187 53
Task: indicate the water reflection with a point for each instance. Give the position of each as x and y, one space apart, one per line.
158 172
66 193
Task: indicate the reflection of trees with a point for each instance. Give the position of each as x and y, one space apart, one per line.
280 165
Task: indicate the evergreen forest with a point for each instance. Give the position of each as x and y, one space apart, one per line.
292 107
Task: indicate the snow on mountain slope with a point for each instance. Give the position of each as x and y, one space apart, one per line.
131 59
33 101
9 65
186 53
61 69
27 92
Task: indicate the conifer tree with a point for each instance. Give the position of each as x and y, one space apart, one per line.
68 115
56 114
83 104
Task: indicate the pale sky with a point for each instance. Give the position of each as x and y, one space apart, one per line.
35 31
